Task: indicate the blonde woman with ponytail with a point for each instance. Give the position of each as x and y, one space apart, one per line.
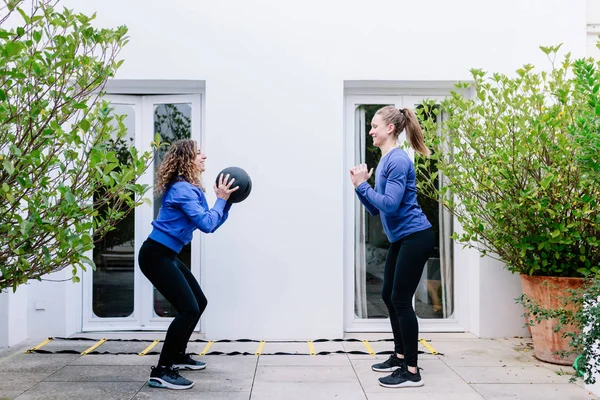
394 198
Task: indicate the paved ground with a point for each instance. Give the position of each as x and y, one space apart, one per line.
469 369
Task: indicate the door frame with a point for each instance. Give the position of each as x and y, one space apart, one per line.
459 322
143 317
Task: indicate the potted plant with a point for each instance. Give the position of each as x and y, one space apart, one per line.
579 308
586 341
507 159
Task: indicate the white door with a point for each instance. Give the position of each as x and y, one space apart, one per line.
117 296
436 300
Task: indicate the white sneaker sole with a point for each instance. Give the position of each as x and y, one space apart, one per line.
179 367
403 384
391 369
159 383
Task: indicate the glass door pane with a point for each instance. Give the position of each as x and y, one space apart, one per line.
371 244
434 298
113 280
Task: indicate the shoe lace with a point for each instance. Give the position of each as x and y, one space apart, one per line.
402 371
171 373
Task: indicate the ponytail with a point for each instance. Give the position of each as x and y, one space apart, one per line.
414 134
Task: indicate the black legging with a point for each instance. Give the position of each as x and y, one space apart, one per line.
177 284
404 265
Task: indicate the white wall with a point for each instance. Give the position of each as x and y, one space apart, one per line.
593 24
274 74
491 293
499 315
4 319
54 307
13 316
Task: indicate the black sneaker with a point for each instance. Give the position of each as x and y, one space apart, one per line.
401 378
187 362
168 378
389 365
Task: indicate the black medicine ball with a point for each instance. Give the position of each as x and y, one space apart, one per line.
242 179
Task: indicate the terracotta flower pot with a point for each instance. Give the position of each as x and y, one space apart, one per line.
545 341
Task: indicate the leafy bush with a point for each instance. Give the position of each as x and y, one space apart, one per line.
63 180
514 154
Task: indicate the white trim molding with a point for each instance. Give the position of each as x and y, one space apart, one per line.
154 87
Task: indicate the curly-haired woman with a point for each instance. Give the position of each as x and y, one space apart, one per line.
183 209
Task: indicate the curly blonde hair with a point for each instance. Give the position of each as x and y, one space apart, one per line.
178 163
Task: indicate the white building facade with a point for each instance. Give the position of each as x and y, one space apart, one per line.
284 89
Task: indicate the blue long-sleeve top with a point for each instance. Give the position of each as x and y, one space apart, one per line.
184 209
395 196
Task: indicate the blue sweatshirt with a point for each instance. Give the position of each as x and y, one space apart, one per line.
395 196
184 209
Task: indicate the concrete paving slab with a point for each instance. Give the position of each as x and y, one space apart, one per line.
148 393
98 373
110 359
416 394
229 363
533 392
481 353
303 373
563 370
14 382
209 381
35 362
82 390
516 342
509 375
10 394
307 390
335 359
